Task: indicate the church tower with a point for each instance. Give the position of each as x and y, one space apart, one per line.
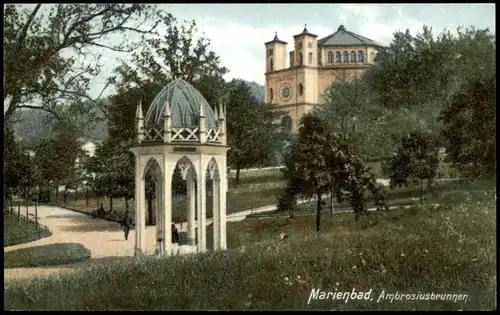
306 62
275 60
275 54
306 49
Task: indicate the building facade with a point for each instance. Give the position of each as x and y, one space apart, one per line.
313 65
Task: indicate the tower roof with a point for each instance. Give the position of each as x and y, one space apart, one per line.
184 101
343 37
276 40
305 32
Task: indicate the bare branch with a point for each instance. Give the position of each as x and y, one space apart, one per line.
24 31
41 108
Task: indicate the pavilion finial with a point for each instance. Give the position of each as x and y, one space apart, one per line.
168 111
305 29
276 36
138 113
222 115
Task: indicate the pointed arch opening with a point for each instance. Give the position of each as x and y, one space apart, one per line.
152 175
213 178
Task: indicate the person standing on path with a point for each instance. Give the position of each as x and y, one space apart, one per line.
127 224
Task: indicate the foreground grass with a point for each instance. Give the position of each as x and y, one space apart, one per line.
448 249
46 255
21 231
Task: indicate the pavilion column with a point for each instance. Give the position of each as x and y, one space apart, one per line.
215 211
167 211
202 226
140 214
160 220
191 203
222 209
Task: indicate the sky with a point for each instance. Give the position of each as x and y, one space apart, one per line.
238 31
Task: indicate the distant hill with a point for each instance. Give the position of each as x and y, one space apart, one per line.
31 125
257 90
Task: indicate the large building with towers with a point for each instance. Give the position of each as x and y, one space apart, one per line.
313 65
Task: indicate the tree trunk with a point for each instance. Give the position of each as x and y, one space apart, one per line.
238 168
331 202
150 210
318 213
65 195
76 195
87 196
126 206
11 201
57 193
421 193
36 208
26 204
18 204
110 204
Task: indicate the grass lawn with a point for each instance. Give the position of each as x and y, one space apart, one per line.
46 255
447 249
21 231
400 196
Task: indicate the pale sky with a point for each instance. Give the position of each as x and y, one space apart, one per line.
238 31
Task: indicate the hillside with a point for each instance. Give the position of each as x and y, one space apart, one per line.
31 126
257 90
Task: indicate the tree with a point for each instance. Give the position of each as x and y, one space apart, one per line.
177 54
56 156
12 166
114 167
307 163
415 161
356 118
251 129
38 68
470 121
321 162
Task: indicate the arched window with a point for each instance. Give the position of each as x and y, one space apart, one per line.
353 56
310 58
330 57
286 124
345 56
319 58
271 64
338 57
271 95
301 89
361 56
372 57
301 61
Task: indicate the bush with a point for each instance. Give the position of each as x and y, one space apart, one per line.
46 255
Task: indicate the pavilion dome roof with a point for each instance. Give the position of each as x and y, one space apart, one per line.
184 101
